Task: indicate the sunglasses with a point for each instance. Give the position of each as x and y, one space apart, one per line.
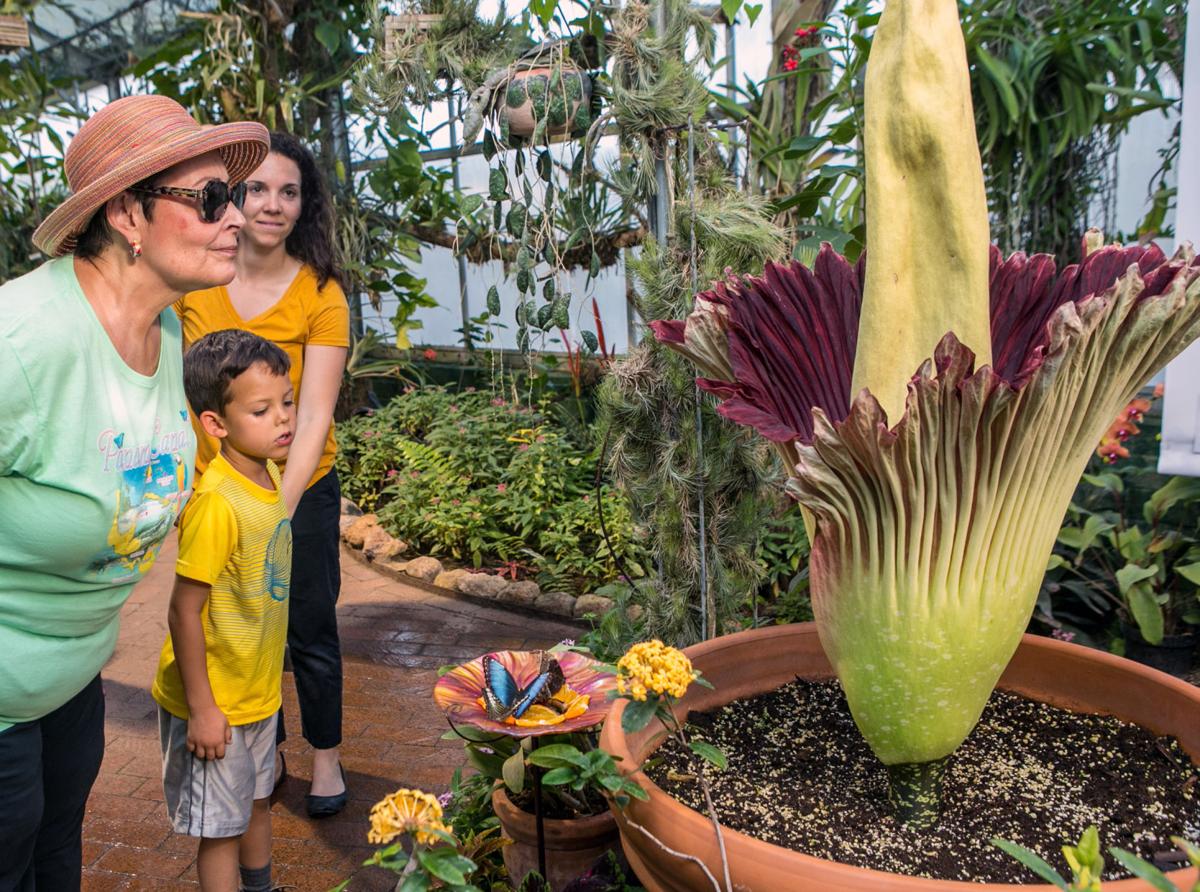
214 198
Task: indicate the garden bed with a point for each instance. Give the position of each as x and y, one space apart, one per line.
801 776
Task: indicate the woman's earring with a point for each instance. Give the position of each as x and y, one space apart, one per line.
135 250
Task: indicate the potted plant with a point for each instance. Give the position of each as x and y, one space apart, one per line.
932 500
1132 544
570 791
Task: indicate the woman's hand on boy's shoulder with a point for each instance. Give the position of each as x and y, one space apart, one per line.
208 733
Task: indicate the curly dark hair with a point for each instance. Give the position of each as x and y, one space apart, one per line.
312 239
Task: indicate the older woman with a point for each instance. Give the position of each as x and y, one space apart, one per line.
96 448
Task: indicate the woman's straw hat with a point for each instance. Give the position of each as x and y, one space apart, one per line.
134 138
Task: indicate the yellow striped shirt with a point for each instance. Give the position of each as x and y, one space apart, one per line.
236 537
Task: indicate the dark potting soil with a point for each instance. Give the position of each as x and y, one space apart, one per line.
800 775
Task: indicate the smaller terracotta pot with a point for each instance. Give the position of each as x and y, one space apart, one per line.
528 93
572 845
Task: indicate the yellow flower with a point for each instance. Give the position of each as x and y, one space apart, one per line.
651 666
406 811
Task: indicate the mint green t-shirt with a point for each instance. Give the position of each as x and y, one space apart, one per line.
95 465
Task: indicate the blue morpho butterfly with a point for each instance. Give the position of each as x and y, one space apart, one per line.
503 698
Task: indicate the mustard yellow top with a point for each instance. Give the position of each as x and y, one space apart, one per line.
303 315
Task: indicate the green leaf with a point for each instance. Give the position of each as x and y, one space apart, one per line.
415 882
544 10
1175 490
1032 861
514 771
729 8
558 776
485 763
752 11
590 341
489 145
493 300
562 313
329 35
709 753
548 290
441 867
1190 572
594 266
637 714
1146 612
545 165
1131 574
470 204
555 754
1143 870
497 184
545 311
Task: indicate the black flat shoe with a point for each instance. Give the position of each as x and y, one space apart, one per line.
327 806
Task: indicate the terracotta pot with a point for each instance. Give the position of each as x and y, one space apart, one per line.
754 662
527 93
572 845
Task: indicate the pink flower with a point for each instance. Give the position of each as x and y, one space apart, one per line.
429 353
587 498
522 447
456 501
414 474
497 402
789 65
368 434
1062 635
501 487
392 472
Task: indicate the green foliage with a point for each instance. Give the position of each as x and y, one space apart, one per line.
1054 85
1087 864
590 774
1130 544
480 479
30 155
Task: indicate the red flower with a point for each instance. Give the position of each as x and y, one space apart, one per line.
789 65
789 52
429 353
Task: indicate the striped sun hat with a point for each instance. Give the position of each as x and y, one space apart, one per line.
134 138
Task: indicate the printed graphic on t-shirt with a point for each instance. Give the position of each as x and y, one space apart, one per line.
153 484
277 568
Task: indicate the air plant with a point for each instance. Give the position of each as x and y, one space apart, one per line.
933 499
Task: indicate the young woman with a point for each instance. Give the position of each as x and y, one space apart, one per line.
288 289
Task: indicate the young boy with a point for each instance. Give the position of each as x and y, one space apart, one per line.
219 674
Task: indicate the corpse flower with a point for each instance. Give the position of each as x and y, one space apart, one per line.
932 499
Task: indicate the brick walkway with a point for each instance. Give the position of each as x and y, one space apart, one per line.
394 637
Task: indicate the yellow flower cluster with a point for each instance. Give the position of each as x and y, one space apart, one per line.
652 666
406 811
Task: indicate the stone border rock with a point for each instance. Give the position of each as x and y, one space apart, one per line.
373 545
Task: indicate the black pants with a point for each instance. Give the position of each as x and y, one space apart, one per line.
316 653
47 768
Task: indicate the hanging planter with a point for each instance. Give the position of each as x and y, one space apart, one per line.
14 31
408 25
541 102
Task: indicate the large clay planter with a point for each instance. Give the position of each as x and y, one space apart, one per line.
754 662
572 846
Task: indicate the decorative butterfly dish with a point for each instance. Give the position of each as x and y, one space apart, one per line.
526 693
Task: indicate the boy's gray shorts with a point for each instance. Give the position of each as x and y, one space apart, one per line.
213 798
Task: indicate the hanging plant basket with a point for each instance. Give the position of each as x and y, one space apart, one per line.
545 101
398 27
14 31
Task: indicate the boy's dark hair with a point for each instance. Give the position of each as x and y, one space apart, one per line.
215 360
